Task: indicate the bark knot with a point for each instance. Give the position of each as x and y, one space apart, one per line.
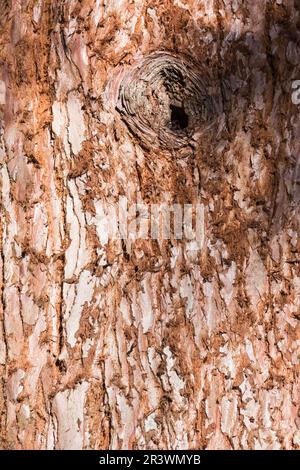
165 100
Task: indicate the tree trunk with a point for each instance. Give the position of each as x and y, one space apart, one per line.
149 343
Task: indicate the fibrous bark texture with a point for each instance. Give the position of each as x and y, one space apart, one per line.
148 343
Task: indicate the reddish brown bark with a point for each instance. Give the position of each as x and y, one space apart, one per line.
147 345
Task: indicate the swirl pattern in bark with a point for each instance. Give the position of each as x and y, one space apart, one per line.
166 101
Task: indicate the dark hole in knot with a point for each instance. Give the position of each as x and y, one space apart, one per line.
179 118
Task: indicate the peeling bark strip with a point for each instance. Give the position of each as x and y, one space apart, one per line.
149 344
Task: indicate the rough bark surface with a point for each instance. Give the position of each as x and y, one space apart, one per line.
147 345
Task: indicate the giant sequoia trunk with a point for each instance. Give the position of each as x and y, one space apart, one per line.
154 343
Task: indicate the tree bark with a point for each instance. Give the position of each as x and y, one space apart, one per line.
149 344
